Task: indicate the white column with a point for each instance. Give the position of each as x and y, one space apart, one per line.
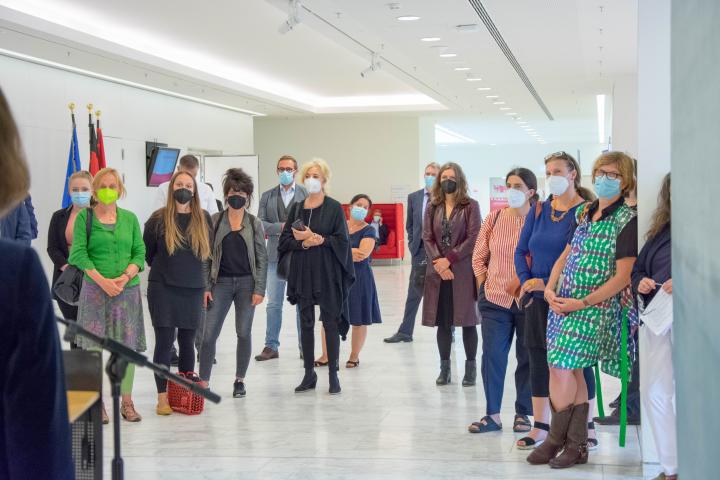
653 134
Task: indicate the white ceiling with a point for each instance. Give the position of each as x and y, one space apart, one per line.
231 52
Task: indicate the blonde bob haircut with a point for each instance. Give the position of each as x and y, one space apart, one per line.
625 165
321 165
108 171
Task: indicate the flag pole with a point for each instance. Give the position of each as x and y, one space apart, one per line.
71 106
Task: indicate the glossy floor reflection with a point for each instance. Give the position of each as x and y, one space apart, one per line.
391 421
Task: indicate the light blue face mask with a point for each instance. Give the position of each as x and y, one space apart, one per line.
81 199
607 187
286 178
429 181
358 213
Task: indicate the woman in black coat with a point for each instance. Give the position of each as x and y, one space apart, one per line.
320 272
60 232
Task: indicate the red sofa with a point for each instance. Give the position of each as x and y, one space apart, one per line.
393 217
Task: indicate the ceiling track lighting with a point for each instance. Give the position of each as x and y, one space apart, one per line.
374 65
293 17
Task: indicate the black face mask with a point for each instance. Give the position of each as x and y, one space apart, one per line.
236 201
182 195
448 186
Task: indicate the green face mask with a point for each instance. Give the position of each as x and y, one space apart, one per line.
107 195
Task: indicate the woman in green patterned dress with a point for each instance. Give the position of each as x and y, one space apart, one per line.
592 274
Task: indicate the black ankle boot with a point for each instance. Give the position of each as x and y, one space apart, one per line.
334 380
309 381
444 377
470 373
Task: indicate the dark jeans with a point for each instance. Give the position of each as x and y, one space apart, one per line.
307 338
164 338
498 327
414 296
225 292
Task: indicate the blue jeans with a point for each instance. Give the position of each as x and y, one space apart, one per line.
276 299
225 292
498 326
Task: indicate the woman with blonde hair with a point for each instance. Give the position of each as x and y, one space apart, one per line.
110 303
61 229
177 243
315 248
589 308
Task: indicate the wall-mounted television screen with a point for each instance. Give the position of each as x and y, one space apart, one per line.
161 165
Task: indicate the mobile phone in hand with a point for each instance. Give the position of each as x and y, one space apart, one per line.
299 225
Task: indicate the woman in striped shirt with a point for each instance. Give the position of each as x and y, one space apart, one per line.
494 268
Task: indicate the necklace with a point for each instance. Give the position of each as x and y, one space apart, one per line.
555 218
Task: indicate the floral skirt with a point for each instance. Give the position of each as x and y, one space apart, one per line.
119 318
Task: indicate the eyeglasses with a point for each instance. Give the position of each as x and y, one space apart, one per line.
287 169
610 175
559 154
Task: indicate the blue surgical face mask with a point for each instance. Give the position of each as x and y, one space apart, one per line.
607 187
286 178
80 199
358 213
429 181
516 198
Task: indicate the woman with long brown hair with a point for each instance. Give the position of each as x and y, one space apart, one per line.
652 272
450 228
177 243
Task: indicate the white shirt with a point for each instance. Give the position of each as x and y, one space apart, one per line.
287 194
207 197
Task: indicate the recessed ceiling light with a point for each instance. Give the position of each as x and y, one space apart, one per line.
408 18
484 89
474 79
492 96
511 113
448 55
498 103
505 108
461 69
522 123
430 39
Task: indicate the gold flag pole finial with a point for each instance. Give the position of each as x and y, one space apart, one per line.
71 106
89 107
97 113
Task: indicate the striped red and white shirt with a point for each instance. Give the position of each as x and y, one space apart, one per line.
494 254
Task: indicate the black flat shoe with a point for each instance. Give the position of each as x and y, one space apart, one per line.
398 337
308 383
334 385
239 389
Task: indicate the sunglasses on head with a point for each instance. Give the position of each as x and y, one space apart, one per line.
559 154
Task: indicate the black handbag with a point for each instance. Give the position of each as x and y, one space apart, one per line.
67 286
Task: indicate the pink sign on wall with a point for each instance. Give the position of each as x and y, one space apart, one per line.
498 199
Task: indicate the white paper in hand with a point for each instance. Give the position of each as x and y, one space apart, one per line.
658 316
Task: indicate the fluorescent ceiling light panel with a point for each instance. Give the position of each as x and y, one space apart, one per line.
484 89
444 135
505 108
474 79
79 19
492 96
448 55
498 103
430 39
408 18
521 122
461 69
601 118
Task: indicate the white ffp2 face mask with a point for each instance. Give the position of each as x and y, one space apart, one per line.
516 198
313 185
557 185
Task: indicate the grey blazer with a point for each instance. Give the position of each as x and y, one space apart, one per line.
252 233
414 226
269 213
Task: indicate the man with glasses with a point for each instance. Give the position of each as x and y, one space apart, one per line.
273 211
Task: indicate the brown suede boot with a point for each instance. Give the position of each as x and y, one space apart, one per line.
555 439
575 451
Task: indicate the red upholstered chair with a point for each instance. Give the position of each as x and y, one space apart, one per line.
393 217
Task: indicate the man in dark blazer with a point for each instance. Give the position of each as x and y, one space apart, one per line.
416 204
273 211
16 225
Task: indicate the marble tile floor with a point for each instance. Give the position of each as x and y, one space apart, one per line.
391 421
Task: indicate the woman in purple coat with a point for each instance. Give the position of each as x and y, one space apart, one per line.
450 228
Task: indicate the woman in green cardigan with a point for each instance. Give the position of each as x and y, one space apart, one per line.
110 302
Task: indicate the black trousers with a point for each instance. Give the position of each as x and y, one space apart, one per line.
445 325
164 338
414 296
307 340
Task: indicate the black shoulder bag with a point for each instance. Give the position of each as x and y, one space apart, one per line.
67 286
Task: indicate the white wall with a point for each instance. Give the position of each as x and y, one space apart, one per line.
625 115
481 162
39 97
377 154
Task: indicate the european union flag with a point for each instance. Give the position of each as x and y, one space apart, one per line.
73 164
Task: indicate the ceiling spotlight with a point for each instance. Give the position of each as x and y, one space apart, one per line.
505 108
474 79
448 55
511 113
498 103
484 89
430 39
461 69
522 123
293 17
374 65
408 18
